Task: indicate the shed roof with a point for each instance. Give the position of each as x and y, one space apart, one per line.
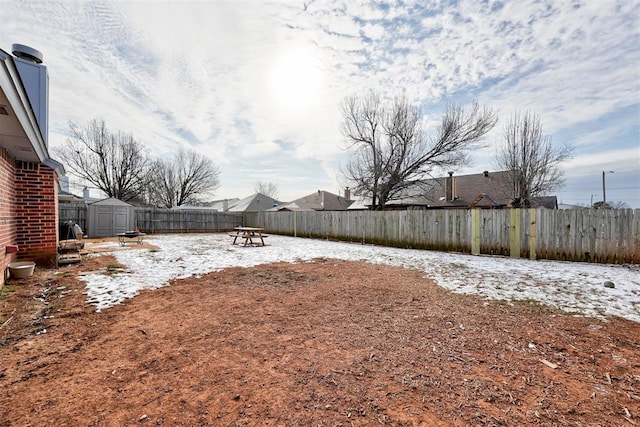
111 201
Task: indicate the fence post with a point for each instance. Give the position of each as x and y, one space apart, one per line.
514 234
475 231
295 220
532 233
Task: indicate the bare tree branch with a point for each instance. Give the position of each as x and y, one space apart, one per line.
112 162
183 180
389 152
267 188
362 128
533 162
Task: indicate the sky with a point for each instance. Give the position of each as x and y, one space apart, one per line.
257 86
570 286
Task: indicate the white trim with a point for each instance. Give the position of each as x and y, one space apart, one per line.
14 91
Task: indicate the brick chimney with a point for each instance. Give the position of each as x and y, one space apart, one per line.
347 193
450 188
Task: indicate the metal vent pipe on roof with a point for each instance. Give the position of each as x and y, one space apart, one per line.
34 77
27 53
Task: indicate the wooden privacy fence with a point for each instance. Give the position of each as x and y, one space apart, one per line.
592 235
74 212
151 220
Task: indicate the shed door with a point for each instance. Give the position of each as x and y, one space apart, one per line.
120 219
104 218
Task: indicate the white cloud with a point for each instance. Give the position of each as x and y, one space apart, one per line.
626 160
223 75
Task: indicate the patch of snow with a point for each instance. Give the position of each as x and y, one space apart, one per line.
570 286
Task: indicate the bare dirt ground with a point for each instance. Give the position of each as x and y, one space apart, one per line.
324 343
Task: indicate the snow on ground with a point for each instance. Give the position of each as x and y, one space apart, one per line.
573 287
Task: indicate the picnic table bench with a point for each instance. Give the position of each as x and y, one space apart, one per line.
248 236
130 236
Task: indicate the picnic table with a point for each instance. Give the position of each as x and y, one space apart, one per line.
248 236
130 236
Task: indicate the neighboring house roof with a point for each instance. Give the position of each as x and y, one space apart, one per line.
67 197
20 131
549 202
255 203
359 205
481 190
569 206
223 205
318 201
291 207
194 208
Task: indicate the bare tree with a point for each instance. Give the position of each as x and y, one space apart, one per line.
362 128
390 154
183 179
267 188
533 162
610 205
114 162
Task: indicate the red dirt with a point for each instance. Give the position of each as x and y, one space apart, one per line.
320 343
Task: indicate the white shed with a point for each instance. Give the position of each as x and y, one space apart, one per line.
110 217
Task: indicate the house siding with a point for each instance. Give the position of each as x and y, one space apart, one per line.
7 210
36 224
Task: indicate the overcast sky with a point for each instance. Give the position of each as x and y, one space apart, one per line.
257 85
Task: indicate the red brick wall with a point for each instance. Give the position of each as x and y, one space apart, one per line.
7 211
36 196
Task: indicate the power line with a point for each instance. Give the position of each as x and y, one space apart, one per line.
589 188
